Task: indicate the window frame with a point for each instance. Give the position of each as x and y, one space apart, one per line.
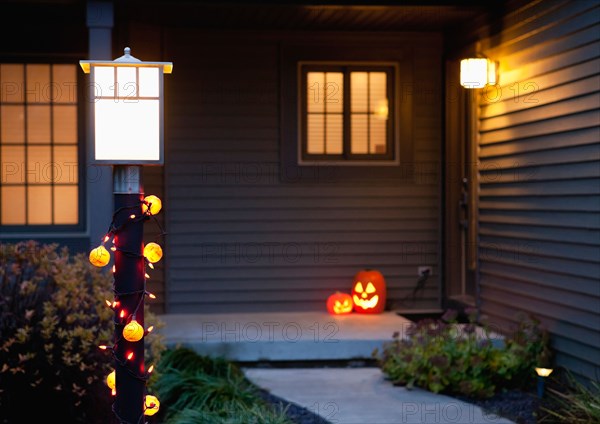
347 157
81 152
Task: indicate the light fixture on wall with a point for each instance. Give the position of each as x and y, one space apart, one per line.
477 72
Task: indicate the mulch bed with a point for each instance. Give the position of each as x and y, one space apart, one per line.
518 406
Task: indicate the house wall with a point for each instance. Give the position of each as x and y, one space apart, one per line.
242 235
30 35
539 204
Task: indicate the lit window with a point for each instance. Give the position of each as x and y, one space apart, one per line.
38 145
346 113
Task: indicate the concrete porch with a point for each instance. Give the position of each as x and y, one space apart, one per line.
284 336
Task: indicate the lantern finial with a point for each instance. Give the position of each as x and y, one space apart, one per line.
127 57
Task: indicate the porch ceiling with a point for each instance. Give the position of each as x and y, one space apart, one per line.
342 16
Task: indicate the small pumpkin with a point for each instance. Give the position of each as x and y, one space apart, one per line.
152 202
111 382
133 331
110 379
99 256
153 252
369 292
339 303
151 405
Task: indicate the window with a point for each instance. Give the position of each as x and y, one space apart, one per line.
38 145
346 113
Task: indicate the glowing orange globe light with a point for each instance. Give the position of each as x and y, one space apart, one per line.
133 331
99 256
110 379
151 405
153 252
154 203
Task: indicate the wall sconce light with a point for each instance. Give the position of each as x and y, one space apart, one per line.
477 72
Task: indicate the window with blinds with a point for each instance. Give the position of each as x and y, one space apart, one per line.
38 145
346 112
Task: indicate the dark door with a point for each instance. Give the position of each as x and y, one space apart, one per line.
460 192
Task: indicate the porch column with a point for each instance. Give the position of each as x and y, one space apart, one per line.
98 178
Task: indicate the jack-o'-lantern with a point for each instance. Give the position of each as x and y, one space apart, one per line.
369 292
339 303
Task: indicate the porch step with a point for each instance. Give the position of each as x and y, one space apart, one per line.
286 336
283 336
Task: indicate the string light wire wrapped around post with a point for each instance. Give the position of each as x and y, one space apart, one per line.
127 328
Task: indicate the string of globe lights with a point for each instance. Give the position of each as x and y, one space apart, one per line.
126 322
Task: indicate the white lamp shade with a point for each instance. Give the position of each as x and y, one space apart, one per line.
127 113
126 97
477 72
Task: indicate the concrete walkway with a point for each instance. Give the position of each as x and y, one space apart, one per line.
363 396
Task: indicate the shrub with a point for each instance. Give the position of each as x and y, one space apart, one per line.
441 356
200 389
52 318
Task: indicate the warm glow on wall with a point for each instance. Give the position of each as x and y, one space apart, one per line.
477 72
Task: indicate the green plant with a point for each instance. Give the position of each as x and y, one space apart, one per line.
52 318
253 415
443 356
200 389
573 402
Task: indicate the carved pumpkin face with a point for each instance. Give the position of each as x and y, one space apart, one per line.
339 304
369 292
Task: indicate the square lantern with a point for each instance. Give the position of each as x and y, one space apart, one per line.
477 72
126 97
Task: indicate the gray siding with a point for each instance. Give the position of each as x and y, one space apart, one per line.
242 236
539 164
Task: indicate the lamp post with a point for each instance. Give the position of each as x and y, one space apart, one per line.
542 373
126 98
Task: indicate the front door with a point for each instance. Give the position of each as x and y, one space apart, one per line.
460 192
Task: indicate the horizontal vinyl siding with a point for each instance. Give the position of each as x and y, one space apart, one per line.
539 163
245 235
